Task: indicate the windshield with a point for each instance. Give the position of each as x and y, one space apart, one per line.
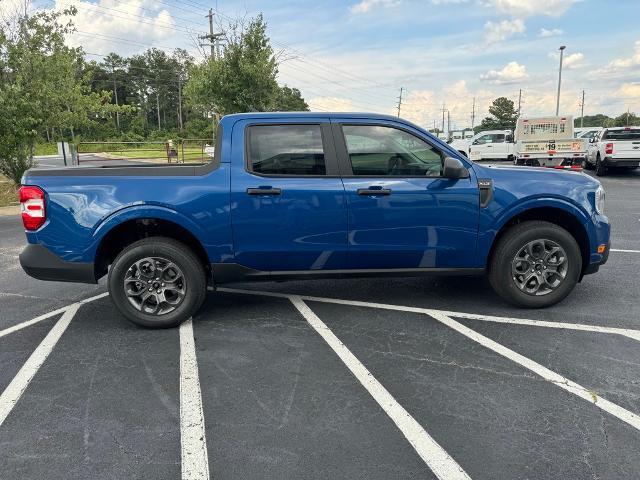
630 134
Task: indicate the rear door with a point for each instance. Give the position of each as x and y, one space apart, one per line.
402 213
288 202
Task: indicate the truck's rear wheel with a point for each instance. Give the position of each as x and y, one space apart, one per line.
157 282
535 264
601 169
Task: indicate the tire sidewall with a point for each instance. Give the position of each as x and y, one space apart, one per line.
173 251
502 280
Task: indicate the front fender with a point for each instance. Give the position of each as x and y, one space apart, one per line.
494 219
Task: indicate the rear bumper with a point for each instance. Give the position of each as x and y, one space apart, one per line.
621 162
41 263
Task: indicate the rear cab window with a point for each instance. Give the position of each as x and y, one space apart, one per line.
626 134
286 150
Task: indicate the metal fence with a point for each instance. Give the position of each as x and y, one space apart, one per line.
179 151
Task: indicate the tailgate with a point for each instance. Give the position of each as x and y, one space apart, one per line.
626 146
572 146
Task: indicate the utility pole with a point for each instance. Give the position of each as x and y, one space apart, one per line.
627 122
559 79
211 37
448 123
400 101
473 113
180 102
582 110
443 110
115 93
519 102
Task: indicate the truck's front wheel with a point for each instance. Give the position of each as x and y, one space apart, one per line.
157 282
535 264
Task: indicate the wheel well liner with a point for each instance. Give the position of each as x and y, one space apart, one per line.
126 233
557 216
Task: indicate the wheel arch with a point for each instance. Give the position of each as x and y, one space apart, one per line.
130 225
570 219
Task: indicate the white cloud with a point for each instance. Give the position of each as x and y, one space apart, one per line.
102 24
629 90
529 8
511 73
545 33
573 60
624 63
365 6
495 32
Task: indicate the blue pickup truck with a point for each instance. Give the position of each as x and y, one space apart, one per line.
310 195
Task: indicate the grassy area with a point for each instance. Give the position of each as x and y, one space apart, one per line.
190 154
8 192
46 149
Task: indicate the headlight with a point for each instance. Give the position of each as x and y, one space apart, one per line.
600 200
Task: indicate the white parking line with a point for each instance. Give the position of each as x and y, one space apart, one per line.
21 381
438 460
625 251
33 321
549 375
193 440
627 332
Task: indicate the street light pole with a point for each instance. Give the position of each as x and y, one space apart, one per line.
559 80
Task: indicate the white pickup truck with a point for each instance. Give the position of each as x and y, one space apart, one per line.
487 145
549 142
614 147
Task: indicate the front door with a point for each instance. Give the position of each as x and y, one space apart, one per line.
402 212
288 202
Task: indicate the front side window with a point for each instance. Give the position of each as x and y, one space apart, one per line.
376 150
488 138
285 150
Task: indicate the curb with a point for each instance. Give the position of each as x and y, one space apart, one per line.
10 211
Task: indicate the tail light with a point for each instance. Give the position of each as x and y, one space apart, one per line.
608 148
32 207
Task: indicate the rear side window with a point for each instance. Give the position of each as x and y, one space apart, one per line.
630 134
386 151
285 150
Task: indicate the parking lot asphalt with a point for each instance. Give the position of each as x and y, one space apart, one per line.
377 378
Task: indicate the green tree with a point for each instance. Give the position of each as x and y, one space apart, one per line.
42 87
244 79
290 100
503 115
626 119
599 120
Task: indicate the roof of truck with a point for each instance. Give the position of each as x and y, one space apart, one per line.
238 116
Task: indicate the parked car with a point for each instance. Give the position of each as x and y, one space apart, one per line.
310 195
549 142
487 145
614 147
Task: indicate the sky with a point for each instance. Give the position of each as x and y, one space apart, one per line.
355 55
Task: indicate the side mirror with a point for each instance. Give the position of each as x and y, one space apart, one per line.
475 142
454 168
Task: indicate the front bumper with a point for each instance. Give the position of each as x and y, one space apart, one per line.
594 267
41 263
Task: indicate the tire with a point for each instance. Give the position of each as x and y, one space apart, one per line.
506 261
149 262
601 169
511 158
462 152
586 165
